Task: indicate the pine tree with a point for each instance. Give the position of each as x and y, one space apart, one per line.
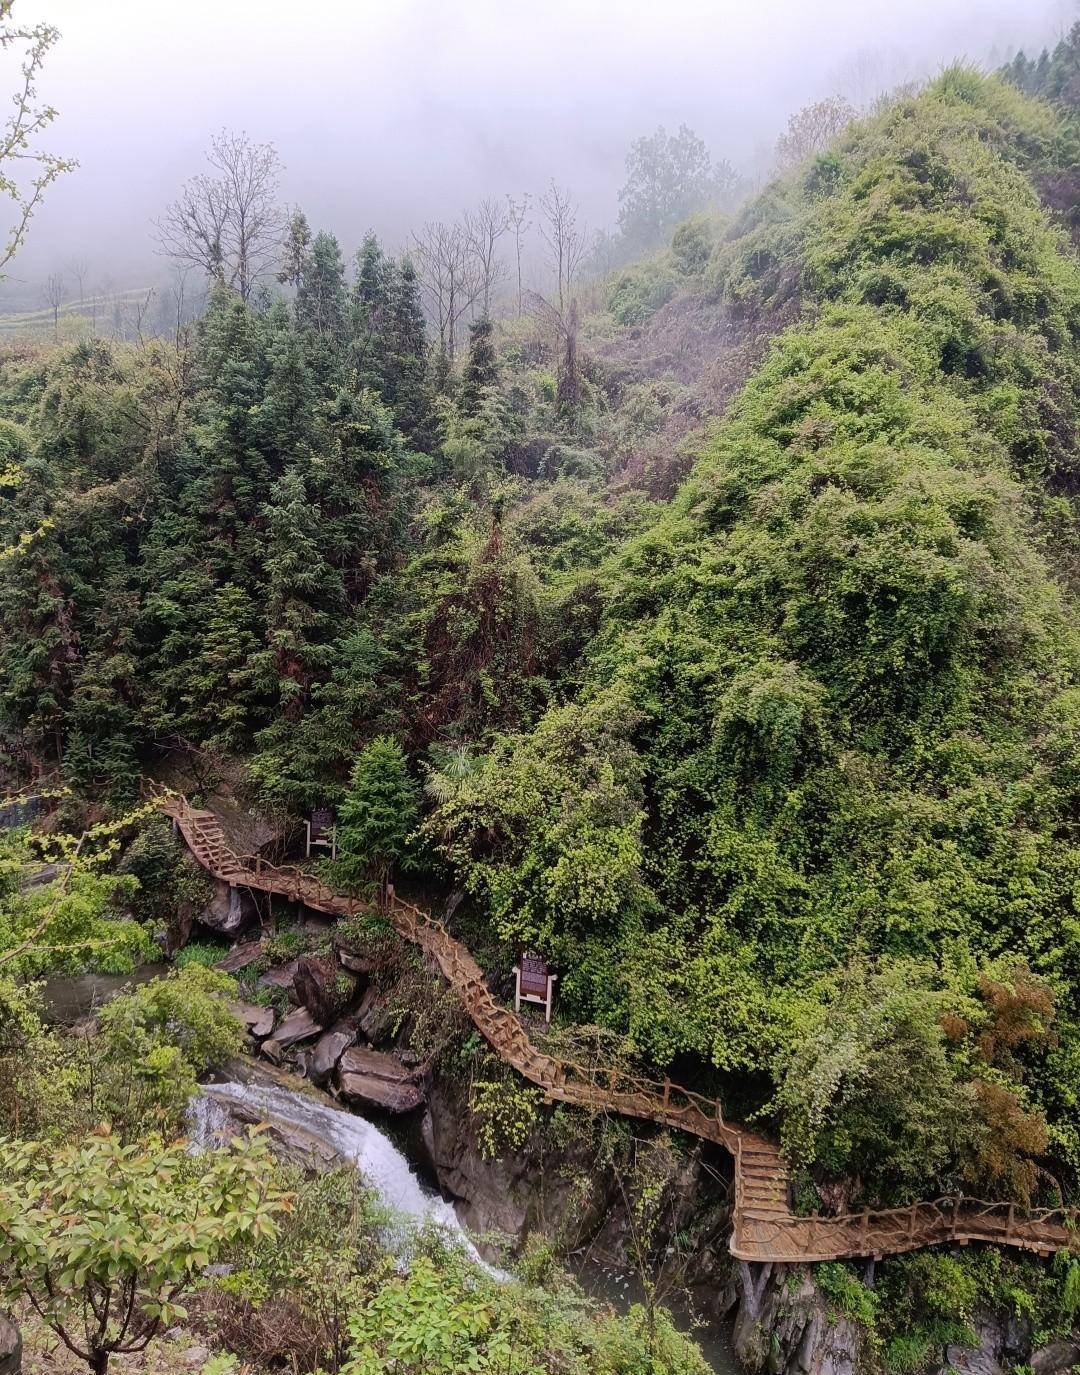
297 246
406 366
481 367
358 452
320 308
305 595
224 471
286 415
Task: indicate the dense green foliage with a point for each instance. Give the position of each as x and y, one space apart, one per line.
782 772
922 1304
829 712
104 1239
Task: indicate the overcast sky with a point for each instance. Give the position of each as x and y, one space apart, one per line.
387 112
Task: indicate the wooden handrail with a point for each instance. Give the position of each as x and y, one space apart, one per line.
764 1226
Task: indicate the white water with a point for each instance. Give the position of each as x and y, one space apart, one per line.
376 1157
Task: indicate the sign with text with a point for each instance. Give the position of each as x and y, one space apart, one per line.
533 982
322 823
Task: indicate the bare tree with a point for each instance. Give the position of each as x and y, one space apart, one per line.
26 171
142 313
485 226
813 128
230 226
80 270
562 234
53 292
107 289
517 218
449 275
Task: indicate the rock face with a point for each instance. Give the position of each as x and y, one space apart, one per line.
229 911
10 1346
783 1323
514 1195
378 1080
1002 1342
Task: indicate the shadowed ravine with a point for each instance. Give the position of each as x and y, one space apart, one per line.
765 1228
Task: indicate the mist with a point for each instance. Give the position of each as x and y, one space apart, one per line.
389 114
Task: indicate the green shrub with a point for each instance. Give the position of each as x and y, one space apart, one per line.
637 293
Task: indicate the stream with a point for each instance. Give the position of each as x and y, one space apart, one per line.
389 1171
312 1117
212 1116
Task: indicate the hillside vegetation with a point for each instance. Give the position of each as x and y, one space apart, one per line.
782 772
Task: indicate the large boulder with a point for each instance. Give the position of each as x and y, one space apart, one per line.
321 986
297 1026
10 1346
281 976
258 1020
329 1049
374 1015
1055 1358
378 1081
240 956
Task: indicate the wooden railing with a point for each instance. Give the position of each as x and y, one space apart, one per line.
764 1227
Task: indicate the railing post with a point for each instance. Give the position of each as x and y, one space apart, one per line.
667 1091
864 1230
1009 1221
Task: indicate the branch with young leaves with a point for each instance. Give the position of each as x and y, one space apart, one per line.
26 169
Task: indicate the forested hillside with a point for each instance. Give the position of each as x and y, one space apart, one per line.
711 754
740 678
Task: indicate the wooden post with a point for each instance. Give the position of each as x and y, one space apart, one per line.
1009 1221
667 1091
517 988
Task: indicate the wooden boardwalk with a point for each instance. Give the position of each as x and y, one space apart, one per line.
764 1226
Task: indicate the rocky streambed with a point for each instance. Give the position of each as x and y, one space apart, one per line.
332 1073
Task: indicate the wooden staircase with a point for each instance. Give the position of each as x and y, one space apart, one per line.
764 1226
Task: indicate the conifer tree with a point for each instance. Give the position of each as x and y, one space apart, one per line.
481 367
304 594
320 296
321 308
297 246
287 411
406 352
358 451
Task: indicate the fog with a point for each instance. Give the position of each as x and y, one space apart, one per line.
386 114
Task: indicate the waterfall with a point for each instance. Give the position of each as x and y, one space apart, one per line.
211 1120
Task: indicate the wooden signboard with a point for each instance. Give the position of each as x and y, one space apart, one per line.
533 983
321 831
